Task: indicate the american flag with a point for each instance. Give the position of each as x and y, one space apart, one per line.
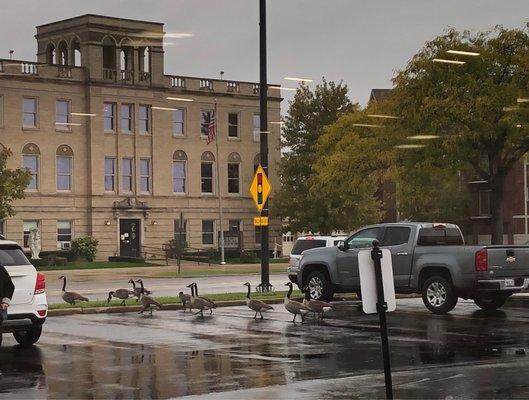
212 129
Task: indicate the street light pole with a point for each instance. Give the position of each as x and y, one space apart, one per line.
263 113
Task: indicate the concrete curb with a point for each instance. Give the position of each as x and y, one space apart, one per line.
178 306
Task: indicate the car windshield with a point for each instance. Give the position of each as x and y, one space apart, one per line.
12 255
304 244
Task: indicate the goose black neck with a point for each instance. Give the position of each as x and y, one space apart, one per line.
289 291
142 289
64 284
248 294
196 289
133 284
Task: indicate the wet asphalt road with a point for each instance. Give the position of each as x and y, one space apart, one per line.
467 354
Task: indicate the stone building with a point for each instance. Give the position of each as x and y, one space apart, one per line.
118 150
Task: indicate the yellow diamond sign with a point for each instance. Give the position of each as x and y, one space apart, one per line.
260 188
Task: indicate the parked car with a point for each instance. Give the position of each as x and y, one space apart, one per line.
29 307
308 242
427 258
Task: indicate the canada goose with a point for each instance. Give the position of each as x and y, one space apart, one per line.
186 300
198 303
316 306
142 289
256 305
147 302
137 290
122 294
211 306
70 297
295 307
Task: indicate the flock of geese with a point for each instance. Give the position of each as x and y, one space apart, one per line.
195 302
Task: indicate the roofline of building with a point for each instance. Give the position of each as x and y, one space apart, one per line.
99 16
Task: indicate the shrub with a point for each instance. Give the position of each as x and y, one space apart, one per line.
248 257
176 248
85 247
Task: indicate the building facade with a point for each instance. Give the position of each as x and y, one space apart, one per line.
118 150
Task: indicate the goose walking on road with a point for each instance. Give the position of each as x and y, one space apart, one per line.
295 307
136 290
199 303
256 305
186 300
212 305
122 294
70 297
147 302
143 290
316 306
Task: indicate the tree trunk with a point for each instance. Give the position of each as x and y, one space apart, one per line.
496 210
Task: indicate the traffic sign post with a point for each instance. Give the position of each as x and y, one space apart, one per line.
376 281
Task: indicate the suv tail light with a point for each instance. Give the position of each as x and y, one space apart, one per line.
40 284
481 260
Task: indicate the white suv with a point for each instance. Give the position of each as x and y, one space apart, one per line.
29 307
305 243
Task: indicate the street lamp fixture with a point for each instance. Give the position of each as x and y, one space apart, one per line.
276 123
179 99
423 137
164 108
67 124
383 116
442 60
369 125
293 78
522 100
409 146
283 88
80 114
463 53
509 109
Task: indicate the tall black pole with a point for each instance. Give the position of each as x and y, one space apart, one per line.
263 94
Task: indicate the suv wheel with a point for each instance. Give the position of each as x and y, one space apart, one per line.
438 295
319 286
29 336
491 303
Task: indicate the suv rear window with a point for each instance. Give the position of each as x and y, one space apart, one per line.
12 255
304 244
439 237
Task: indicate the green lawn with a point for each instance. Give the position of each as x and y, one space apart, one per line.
217 270
94 265
173 300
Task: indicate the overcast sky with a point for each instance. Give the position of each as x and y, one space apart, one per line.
360 41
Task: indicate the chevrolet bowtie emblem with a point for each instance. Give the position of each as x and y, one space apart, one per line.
510 259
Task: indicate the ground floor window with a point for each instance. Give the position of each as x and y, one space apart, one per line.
64 234
2 227
28 226
180 230
207 231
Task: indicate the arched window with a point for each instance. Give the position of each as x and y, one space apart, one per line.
64 168
125 60
109 58
30 160
75 52
256 162
234 173
179 171
51 54
62 51
207 162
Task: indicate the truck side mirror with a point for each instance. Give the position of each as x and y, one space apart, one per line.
342 246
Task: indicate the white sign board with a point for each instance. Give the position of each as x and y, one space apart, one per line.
368 284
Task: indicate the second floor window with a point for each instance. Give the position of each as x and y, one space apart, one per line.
144 119
126 172
206 176
233 125
256 127
110 117
179 176
233 178
206 117
110 174
145 175
62 114
64 173
31 162
178 122
30 112
127 116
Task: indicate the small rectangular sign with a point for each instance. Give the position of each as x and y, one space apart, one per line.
368 284
260 221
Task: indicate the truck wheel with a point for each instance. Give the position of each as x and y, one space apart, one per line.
319 286
492 303
438 295
29 336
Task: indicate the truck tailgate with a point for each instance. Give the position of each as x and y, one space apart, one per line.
508 261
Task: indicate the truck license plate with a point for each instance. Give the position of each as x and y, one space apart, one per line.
509 282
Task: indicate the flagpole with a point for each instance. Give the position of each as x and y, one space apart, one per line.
222 259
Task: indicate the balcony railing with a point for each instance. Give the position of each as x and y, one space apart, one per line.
232 86
29 68
145 77
206 84
127 76
177 81
256 88
64 71
109 74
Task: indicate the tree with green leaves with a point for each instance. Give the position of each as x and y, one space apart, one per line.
295 203
13 182
477 108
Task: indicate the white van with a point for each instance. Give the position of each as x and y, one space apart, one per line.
29 307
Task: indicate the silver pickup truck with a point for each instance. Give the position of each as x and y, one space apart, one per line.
430 259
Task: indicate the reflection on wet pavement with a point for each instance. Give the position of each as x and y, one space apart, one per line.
173 354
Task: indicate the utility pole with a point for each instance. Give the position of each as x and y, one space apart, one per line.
263 113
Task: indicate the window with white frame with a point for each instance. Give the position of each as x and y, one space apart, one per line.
28 225
29 119
179 171
234 168
62 115
127 118
178 122
180 230
145 175
64 234
208 231
30 160
233 125
206 116
145 118
256 127
110 174
206 172
64 167
126 174
109 116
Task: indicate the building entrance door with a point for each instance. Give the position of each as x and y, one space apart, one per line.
129 237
